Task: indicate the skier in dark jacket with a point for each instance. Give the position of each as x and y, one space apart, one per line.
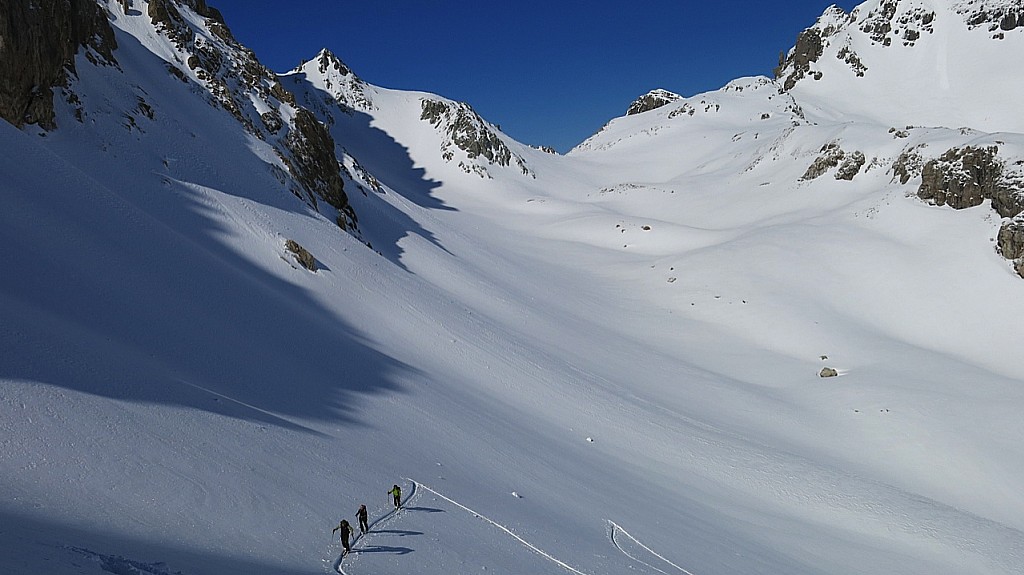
397 492
346 531
363 518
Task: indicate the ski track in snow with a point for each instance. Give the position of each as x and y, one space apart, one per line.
382 520
525 543
614 528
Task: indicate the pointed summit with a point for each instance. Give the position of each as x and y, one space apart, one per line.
328 61
327 72
651 101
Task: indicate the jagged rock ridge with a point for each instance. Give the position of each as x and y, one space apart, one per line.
235 78
467 131
39 53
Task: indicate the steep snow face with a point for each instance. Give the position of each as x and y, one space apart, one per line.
912 62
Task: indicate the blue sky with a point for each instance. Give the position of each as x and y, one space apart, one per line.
548 72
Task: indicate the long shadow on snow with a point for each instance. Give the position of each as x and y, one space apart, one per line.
398 532
383 549
53 547
387 160
134 295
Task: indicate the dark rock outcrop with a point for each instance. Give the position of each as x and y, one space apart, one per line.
908 164
851 165
808 49
995 17
853 60
831 156
966 177
315 166
962 177
878 23
1011 239
38 43
651 101
301 254
1011 242
467 131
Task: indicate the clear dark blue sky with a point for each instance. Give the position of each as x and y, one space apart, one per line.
550 72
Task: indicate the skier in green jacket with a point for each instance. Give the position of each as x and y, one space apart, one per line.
397 492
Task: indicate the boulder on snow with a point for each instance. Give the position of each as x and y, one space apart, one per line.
828 372
302 255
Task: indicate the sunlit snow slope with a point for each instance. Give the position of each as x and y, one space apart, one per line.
600 363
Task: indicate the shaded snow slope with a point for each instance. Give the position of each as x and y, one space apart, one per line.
605 363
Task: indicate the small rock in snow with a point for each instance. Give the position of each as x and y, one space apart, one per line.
516 495
590 439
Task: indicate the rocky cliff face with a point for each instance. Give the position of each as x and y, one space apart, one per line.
235 79
1011 243
38 46
465 130
797 63
38 42
313 162
962 177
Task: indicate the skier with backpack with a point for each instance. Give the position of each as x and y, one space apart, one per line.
363 517
346 531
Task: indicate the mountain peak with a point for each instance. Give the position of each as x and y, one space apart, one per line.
651 101
329 73
327 60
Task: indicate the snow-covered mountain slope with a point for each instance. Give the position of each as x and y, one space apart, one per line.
597 363
913 63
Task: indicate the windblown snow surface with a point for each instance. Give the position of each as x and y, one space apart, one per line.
608 365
